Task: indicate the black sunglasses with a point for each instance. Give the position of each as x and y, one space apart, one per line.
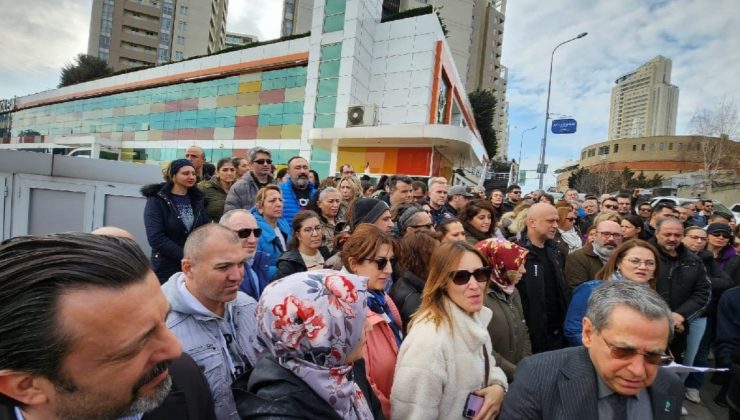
382 262
244 233
263 161
462 277
720 234
623 353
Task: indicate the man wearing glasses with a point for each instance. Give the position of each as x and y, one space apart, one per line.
241 194
513 197
615 375
609 204
256 266
682 280
583 264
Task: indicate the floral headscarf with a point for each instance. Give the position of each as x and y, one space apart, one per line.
311 322
503 256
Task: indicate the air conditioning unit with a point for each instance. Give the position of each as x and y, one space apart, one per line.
361 115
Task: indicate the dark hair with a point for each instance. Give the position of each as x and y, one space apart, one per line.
443 226
418 185
472 209
664 205
395 179
366 185
316 177
512 187
294 158
382 182
236 161
719 215
624 195
224 161
415 252
281 173
636 221
610 198
549 198
35 271
297 224
645 203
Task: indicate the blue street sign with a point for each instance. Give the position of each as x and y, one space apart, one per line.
565 126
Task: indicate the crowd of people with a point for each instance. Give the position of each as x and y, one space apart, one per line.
287 296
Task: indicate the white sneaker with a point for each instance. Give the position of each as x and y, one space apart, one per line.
692 394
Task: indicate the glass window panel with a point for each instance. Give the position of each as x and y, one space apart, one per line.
324 121
331 52
326 105
328 87
335 6
329 69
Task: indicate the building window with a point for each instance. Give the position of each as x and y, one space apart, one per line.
616 148
334 15
661 147
583 155
634 147
182 25
603 150
180 40
184 10
670 146
178 55
680 146
643 147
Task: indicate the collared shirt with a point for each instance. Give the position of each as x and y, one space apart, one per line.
638 407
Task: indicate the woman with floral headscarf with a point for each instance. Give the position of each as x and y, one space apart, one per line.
312 325
509 334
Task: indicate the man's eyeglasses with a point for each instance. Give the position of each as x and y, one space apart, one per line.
623 353
382 262
636 262
516 192
610 207
263 161
246 232
610 234
462 277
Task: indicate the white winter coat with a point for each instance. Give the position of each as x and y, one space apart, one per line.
437 366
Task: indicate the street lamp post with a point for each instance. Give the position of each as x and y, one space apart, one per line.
541 166
519 162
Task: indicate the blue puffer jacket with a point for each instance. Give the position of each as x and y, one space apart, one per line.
290 201
269 244
165 232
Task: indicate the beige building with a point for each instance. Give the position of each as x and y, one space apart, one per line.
475 37
644 102
144 32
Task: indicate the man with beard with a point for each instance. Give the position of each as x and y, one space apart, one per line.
682 280
297 190
583 264
513 197
542 287
83 334
213 319
241 194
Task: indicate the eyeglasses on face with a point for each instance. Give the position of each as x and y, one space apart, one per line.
263 161
516 192
636 262
611 206
382 262
624 353
246 232
614 235
462 277
721 235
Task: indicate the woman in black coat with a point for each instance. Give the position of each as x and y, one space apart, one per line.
174 208
305 252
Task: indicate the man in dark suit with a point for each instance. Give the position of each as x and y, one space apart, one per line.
615 375
83 334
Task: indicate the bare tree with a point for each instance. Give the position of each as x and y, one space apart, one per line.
716 127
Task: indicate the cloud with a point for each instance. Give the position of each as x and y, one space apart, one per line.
700 41
256 17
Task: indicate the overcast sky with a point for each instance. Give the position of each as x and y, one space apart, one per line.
40 36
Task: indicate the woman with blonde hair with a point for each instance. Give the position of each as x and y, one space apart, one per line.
275 231
567 236
351 189
447 354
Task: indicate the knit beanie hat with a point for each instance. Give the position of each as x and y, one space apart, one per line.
177 164
367 210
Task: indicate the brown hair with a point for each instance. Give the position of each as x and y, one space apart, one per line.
445 259
607 215
616 258
563 213
415 252
364 243
297 224
472 210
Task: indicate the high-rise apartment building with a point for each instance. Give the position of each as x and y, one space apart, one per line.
475 31
644 102
234 39
141 32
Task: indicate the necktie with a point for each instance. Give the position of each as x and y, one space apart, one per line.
619 406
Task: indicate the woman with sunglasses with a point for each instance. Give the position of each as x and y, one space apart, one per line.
719 243
447 354
567 236
477 220
268 210
508 330
635 260
702 328
174 208
217 188
369 253
305 252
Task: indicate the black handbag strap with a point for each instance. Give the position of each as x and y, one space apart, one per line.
487 366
